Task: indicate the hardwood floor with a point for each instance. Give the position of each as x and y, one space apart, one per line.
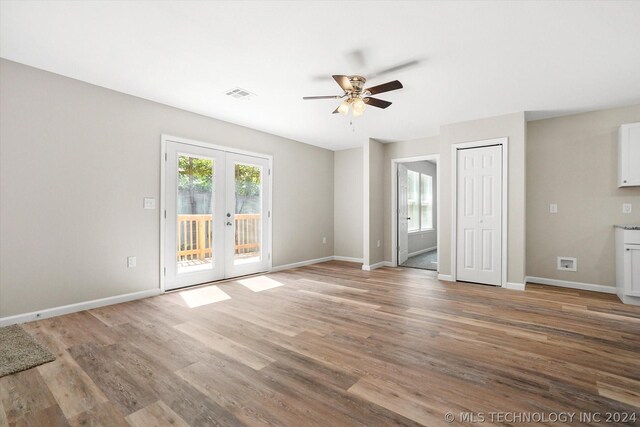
332 345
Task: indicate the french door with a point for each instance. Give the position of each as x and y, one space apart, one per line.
479 215
217 215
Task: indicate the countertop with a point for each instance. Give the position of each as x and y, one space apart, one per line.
628 227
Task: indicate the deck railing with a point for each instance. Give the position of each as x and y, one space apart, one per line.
194 234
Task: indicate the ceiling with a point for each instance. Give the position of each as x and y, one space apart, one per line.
476 59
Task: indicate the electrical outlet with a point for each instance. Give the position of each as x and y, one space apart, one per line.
324 240
131 261
378 243
553 208
627 207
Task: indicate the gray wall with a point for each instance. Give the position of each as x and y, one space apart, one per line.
348 202
572 161
76 161
373 202
513 127
400 150
425 239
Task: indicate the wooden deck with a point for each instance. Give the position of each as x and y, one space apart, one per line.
332 345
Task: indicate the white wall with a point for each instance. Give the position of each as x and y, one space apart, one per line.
348 202
572 161
76 161
421 240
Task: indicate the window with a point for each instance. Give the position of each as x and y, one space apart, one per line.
420 201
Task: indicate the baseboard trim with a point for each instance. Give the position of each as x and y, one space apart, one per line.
347 259
301 263
572 285
377 265
445 277
421 251
515 286
73 308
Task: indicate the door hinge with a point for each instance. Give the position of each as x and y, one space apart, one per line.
269 214
269 171
165 214
269 257
165 271
165 157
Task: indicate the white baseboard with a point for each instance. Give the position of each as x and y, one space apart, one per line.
347 259
445 277
301 263
629 299
514 286
377 265
72 308
421 251
573 285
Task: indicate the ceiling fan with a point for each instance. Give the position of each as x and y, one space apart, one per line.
357 97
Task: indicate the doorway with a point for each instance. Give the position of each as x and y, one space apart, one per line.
415 212
216 213
479 237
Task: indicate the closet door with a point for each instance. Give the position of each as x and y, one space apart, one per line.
479 215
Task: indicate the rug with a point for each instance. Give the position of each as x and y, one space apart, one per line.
19 351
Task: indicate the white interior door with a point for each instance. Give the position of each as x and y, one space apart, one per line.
194 202
403 215
247 215
479 215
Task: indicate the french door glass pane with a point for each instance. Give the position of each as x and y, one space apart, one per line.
248 213
194 231
413 197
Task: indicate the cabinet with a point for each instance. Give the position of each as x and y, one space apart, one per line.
629 155
628 264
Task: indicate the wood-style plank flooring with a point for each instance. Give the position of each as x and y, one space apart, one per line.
331 345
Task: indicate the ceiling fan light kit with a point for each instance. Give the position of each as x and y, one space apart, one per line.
357 97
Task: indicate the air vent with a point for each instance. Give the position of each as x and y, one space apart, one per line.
240 93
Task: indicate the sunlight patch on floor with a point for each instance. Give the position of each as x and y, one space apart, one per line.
260 283
203 296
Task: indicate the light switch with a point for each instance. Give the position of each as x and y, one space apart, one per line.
149 203
626 207
324 240
553 208
131 261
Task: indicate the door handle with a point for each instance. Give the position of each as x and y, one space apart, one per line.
408 218
229 223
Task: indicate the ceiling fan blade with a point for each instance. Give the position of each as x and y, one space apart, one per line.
336 110
385 87
344 82
375 102
394 68
322 97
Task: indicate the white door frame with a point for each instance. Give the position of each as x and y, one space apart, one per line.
163 144
504 142
394 201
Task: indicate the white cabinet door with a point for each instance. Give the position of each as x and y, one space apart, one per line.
629 155
403 215
479 215
632 270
